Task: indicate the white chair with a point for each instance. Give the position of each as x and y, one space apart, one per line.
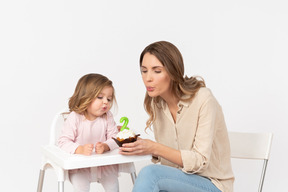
61 161
251 146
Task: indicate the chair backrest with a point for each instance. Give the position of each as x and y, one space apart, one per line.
56 126
251 146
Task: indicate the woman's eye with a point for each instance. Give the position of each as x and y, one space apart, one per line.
100 97
143 71
157 71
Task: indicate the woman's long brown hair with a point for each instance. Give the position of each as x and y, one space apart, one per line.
171 58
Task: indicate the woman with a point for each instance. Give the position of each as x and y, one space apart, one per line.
188 123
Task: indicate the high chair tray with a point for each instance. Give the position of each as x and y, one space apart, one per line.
73 161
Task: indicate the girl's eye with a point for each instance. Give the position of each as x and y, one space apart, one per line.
109 100
100 97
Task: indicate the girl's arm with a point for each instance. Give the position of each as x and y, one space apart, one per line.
66 141
111 131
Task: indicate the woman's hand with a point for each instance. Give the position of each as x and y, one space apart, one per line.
139 147
148 147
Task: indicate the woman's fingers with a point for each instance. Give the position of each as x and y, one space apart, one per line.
130 151
140 147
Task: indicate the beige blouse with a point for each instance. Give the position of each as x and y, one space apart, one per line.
201 136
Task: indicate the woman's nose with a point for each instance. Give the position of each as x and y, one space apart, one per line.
148 76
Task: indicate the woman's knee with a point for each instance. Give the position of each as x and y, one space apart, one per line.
151 172
147 179
148 171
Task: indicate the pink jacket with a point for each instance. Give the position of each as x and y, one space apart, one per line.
77 130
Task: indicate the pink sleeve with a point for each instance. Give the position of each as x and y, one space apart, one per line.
68 135
111 131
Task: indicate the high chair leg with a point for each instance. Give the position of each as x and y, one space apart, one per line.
60 186
133 176
40 180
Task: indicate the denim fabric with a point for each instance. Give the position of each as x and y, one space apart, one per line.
160 178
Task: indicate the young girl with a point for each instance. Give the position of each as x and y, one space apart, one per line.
89 126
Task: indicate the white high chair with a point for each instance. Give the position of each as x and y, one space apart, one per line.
61 161
252 146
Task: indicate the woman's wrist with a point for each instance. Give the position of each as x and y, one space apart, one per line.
156 148
168 153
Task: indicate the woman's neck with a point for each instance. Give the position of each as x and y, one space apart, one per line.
170 98
172 103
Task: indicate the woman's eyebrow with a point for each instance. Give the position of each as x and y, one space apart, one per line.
155 67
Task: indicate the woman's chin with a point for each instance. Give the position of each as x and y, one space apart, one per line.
151 94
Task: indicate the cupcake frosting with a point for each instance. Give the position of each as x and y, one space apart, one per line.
126 133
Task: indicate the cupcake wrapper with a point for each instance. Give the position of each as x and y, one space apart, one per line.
129 140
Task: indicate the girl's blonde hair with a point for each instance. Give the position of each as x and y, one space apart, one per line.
171 58
87 89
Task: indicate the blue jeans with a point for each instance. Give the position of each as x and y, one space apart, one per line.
160 178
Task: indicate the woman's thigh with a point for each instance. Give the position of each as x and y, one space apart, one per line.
155 178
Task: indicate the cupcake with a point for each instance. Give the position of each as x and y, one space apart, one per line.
125 136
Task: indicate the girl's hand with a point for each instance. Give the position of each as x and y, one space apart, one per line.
101 147
86 149
139 147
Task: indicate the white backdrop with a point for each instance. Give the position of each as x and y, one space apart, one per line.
239 47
